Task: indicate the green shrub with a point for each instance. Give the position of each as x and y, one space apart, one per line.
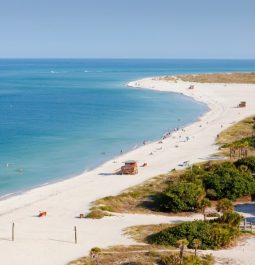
212 234
226 181
231 218
248 161
180 196
213 180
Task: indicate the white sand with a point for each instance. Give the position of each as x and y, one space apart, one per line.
49 241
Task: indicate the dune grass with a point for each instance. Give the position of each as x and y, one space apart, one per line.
238 131
139 255
230 78
141 232
128 255
137 199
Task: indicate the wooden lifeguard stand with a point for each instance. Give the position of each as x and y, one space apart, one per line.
130 168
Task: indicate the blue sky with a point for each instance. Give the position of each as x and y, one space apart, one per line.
127 29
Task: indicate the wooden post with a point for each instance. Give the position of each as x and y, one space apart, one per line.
75 235
13 231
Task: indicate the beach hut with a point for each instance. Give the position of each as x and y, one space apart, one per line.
130 168
242 104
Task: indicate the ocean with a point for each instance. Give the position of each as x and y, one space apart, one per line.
59 118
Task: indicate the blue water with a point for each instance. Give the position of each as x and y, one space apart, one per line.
61 117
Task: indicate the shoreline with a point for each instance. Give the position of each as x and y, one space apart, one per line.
66 199
99 164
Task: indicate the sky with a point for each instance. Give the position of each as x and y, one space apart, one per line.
127 29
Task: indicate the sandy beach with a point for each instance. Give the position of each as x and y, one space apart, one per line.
50 240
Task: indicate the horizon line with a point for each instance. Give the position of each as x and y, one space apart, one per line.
116 58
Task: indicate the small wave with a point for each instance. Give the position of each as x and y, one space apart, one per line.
5 196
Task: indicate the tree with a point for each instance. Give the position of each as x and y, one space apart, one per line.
182 245
196 244
203 205
225 206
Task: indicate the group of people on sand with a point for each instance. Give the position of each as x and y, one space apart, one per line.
168 134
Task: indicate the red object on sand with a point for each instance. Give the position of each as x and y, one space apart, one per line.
42 214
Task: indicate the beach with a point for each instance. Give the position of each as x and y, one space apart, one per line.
50 240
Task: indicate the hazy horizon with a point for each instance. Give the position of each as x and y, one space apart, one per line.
176 29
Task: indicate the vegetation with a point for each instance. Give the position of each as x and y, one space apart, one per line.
249 162
94 255
141 255
196 243
244 142
141 232
96 214
225 180
213 181
212 234
238 138
182 244
231 218
187 260
225 206
237 78
181 196
138 199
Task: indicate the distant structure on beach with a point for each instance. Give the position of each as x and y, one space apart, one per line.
242 104
130 168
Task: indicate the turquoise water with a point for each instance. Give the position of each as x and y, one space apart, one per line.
59 118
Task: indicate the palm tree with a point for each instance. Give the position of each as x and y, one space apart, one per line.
203 205
94 253
182 244
196 244
244 148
